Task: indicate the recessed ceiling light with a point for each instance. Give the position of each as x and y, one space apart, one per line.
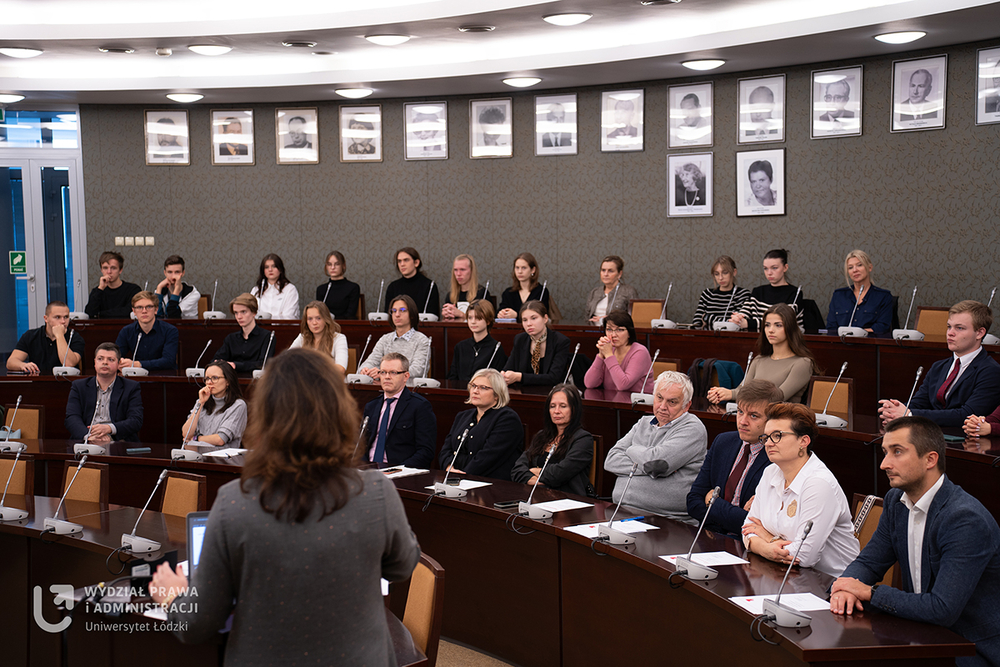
703 65
354 93
10 99
476 28
299 45
184 98
115 49
210 49
900 37
649 3
567 19
388 40
324 53
522 81
20 52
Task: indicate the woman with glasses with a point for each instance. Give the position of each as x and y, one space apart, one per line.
798 490
339 294
405 339
539 355
621 363
494 438
219 415
318 331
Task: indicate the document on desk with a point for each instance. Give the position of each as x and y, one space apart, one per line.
564 505
227 453
709 558
589 530
466 485
403 471
798 601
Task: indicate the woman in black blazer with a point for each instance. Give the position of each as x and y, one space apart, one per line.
551 350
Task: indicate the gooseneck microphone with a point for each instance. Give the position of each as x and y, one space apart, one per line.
11 513
542 293
569 369
423 380
905 333
141 545
361 434
920 371
782 615
69 339
850 330
361 378
183 454
731 406
197 371
85 447
329 284
663 323
267 350
7 445
442 488
826 419
424 315
605 533
378 315
641 397
496 349
135 370
57 526
724 324
64 369
611 301
526 508
686 567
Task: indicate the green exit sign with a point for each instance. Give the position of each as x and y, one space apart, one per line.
18 263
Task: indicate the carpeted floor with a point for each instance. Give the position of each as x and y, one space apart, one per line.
456 655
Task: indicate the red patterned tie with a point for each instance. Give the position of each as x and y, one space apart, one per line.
948 382
737 473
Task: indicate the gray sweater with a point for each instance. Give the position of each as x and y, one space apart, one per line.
413 345
680 445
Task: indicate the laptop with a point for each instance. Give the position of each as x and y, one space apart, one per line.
197 524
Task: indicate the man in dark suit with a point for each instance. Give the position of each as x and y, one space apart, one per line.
232 126
406 419
555 136
735 462
106 406
967 383
946 543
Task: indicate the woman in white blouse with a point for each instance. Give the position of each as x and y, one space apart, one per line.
319 331
275 295
797 489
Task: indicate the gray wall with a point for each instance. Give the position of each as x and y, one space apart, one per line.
923 204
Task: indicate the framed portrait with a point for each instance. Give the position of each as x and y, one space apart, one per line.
762 109
919 88
621 120
490 128
555 124
232 136
988 87
167 139
426 130
690 189
361 133
691 122
760 182
296 134
836 103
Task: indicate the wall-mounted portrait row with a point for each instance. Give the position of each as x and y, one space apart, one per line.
760 184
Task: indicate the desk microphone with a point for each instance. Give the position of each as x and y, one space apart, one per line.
826 419
486 290
920 371
13 513
182 454
850 330
360 378
7 445
329 284
609 534
724 324
361 434
782 615
64 369
990 339
526 508
542 293
493 356
571 360
904 333
378 315
197 372
425 316
141 545
85 447
133 371
685 566
214 314
65 527
258 373
423 380
663 323
442 488
262 314
731 406
641 397
611 303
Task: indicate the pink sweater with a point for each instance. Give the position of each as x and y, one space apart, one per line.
626 376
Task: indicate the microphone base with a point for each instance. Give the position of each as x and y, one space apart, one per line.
214 315
185 455
60 527
12 514
359 378
428 317
195 372
990 339
257 374
378 317
785 617
725 326
426 382
12 446
139 545
65 370
614 536
731 408
132 371
851 332
641 399
533 511
695 571
907 334
830 421
76 315
448 491
663 324
263 315
89 450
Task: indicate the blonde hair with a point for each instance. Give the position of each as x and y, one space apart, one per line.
473 289
495 380
330 330
856 254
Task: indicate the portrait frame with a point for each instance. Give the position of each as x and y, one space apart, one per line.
369 134
988 86
751 130
498 114
929 114
555 136
747 203
682 133
828 121
172 123
616 132
416 121
676 167
229 152
286 153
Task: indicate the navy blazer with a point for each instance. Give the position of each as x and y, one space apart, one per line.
412 430
874 312
125 408
959 572
725 517
976 392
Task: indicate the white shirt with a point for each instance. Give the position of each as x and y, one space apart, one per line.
283 305
339 351
915 524
965 361
814 495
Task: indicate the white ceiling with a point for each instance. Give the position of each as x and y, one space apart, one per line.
624 41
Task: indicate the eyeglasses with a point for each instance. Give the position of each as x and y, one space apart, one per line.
143 307
212 379
398 310
480 387
386 374
613 330
835 98
774 437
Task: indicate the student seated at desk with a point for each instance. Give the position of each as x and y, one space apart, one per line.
480 351
539 355
621 363
245 349
275 294
319 331
612 294
112 298
157 349
874 310
465 287
219 416
720 302
40 350
339 294
106 406
526 286
413 283
405 339
777 290
177 299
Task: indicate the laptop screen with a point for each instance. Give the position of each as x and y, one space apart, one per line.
197 524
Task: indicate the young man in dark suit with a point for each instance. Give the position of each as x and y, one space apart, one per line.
115 400
401 425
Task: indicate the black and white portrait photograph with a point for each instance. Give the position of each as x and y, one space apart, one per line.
426 130
919 88
297 135
760 182
361 133
690 189
988 87
836 102
555 125
691 120
490 133
762 109
232 136
167 137
621 120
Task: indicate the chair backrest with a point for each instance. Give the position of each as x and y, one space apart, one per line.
362 311
932 322
91 484
184 492
867 512
30 419
23 481
598 440
842 403
352 359
425 607
204 303
644 311
663 365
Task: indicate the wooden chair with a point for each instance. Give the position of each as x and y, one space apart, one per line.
362 312
204 303
352 359
932 322
867 512
183 493
23 481
598 442
425 607
91 484
842 403
663 365
30 419
644 311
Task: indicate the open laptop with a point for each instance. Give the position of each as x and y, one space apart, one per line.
197 524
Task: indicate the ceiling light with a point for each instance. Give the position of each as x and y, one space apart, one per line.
566 19
10 99
115 49
20 52
649 3
354 93
522 81
210 49
703 65
299 45
900 37
388 40
476 28
184 98
324 53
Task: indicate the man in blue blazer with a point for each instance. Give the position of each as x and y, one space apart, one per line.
967 383
947 545
734 463
406 418
116 400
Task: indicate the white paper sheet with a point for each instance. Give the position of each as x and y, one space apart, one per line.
227 453
709 558
562 505
798 601
627 527
467 485
406 472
